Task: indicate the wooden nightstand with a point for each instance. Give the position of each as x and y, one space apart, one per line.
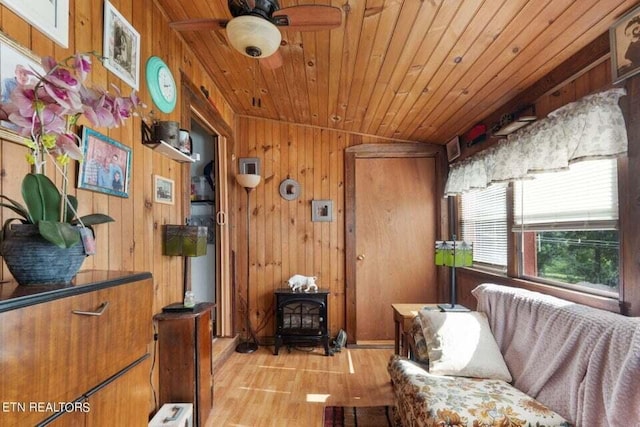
184 347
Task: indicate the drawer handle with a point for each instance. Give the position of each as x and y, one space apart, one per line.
98 312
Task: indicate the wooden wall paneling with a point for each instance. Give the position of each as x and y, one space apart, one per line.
629 189
362 58
409 13
285 205
437 59
386 18
420 41
298 255
513 39
352 24
269 215
324 238
16 27
336 288
316 234
322 65
310 170
476 40
259 219
517 72
336 41
277 203
310 71
11 174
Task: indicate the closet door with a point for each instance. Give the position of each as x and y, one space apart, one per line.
395 234
223 275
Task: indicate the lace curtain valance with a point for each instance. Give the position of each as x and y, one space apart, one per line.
590 128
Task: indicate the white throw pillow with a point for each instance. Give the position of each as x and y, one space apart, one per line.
462 344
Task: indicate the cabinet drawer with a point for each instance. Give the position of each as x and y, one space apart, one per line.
48 353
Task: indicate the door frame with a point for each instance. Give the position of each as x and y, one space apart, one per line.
197 106
393 150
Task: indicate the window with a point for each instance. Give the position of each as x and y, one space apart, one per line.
483 221
567 226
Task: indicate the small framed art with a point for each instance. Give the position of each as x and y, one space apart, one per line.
249 165
321 210
106 167
163 190
453 149
121 46
624 36
49 16
15 64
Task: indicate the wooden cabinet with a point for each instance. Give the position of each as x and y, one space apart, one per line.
63 350
185 360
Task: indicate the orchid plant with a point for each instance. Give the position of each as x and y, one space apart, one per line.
45 111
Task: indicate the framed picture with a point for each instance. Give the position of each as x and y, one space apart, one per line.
321 210
14 60
453 149
121 46
624 36
249 165
49 16
106 167
163 190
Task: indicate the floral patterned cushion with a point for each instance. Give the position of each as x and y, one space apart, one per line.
423 399
421 354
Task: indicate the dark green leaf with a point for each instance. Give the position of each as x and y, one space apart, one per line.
41 197
59 233
93 219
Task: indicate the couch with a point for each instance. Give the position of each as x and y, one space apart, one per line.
569 365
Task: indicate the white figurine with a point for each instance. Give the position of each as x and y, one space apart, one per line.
299 282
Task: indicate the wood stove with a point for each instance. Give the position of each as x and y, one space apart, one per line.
301 318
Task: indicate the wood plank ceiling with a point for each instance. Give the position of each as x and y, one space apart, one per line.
413 70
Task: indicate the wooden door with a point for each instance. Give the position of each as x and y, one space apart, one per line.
395 230
223 274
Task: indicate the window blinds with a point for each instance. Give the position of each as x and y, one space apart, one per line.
583 197
483 221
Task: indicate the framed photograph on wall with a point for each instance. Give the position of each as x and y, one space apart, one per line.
453 149
14 61
107 164
624 36
163 190
121 46
49 16
249 165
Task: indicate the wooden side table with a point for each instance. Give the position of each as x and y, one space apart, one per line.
403 315
185 368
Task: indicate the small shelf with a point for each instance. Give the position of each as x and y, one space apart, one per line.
202 202
169 151
162 147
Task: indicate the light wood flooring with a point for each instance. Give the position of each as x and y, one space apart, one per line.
291 389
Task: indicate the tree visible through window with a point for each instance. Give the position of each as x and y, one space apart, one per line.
567 226
582 257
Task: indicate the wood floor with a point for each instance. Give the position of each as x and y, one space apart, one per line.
291 389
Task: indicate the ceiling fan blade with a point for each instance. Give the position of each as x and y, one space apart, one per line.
272 62
203 24
308 17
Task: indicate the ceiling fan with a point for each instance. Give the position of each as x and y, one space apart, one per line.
253 30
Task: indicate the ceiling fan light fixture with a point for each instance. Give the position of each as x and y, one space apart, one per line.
253 36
